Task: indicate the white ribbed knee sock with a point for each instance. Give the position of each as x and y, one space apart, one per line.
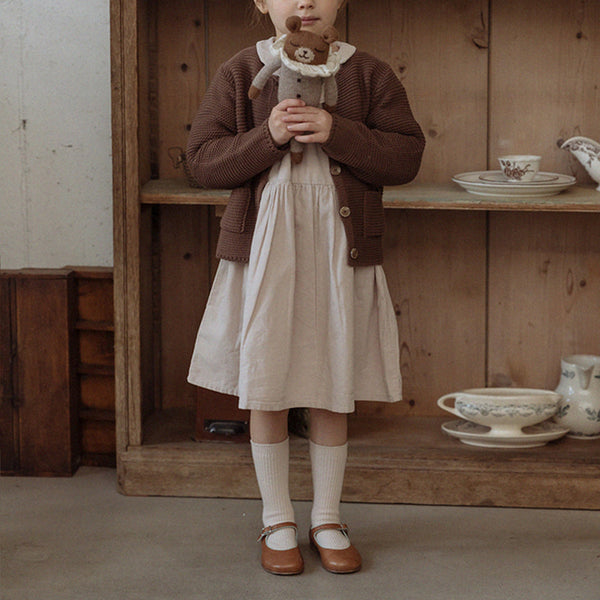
271 463
328 467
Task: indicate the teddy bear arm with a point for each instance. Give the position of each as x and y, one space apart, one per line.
261 78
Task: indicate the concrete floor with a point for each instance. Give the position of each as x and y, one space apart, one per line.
78 539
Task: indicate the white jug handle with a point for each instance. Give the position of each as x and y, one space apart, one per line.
584 375
442 404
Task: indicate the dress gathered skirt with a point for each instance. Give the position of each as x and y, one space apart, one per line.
297 326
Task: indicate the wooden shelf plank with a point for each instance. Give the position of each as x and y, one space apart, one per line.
404 460
451 197
177 191
87 369
414 196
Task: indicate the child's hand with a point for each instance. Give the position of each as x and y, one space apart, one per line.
309 124
278 126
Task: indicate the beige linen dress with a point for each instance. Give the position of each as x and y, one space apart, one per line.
297 326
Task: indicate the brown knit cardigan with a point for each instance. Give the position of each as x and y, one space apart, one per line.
375 141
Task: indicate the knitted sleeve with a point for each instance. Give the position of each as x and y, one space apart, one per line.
225 149
375 137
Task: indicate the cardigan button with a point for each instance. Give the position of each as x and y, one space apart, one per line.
345 211
354 253
335 169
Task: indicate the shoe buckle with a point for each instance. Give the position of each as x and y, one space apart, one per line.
267 531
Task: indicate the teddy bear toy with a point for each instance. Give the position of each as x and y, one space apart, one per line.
307 67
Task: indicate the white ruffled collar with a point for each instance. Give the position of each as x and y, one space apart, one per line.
339 53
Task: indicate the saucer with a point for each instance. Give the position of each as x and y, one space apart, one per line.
484 183
478 435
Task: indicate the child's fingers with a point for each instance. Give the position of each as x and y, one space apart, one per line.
306 122
303 126
307 114
291 104
294 119
294 108
308 134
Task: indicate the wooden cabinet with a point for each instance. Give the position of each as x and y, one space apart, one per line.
57 398
487 292
39 429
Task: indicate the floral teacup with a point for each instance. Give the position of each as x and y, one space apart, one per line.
520 167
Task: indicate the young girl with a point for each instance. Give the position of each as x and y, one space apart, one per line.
299 314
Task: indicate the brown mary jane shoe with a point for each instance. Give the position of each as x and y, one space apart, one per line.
336 561
280 562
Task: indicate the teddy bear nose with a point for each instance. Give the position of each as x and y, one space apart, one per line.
305 55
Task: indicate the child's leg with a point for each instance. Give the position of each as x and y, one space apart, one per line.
328 451
270 452
328 428
268 426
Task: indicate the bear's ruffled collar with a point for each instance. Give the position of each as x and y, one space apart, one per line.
271 49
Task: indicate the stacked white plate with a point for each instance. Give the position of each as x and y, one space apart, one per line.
495 184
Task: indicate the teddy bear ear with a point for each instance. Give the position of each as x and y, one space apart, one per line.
293 23
330 35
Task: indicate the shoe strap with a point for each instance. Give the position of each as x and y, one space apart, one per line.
267 531
342 527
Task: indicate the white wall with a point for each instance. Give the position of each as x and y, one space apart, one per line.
55 153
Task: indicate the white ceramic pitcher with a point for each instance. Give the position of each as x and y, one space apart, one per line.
579 386
587 152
